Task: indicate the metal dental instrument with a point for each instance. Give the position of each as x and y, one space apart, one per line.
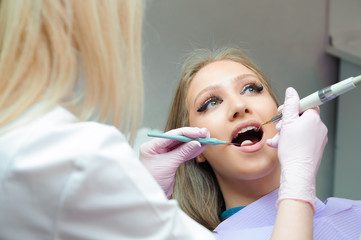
208 141
324 95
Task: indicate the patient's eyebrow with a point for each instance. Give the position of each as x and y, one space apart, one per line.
216 86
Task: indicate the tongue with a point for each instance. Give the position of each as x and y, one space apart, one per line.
246 143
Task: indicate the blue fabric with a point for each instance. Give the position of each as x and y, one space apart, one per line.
229 212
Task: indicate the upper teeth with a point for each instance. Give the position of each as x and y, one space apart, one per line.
243 130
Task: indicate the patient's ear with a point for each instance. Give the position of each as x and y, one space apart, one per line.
201 158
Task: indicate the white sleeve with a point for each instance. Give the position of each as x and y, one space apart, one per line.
112 196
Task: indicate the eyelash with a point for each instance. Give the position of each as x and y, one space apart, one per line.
254 86
210 99
214 98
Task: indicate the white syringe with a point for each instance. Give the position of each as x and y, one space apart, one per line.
324 95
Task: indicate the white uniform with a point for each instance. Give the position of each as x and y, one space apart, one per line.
64 179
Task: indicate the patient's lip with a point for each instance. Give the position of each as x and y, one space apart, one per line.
253 147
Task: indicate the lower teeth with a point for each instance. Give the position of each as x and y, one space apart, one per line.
246 142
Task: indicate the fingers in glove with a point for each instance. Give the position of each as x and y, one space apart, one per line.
192 132
279 125
291 106
273 142
190 150
163 145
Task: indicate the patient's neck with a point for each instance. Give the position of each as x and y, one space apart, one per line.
244 192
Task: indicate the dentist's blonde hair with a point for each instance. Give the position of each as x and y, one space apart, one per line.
196 187
46 44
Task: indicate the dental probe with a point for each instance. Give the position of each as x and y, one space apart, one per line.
324 95
208 141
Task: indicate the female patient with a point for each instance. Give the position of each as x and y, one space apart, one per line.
66 68
227 94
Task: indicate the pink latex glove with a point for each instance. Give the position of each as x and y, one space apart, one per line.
162 157
301 141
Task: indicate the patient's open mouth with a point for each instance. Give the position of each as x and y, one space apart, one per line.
248 136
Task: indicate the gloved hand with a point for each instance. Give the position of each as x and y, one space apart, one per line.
162 157
301 141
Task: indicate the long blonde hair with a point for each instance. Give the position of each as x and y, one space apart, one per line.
196 187
45 44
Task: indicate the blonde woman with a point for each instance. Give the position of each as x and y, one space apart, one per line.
66 68
234 190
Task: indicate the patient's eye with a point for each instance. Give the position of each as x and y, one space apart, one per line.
252 89
209 103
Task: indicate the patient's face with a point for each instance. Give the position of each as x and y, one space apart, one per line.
229 100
